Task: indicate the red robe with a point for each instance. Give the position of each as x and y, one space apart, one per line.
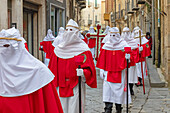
44 100
114 62
134 57
66 76
92 43
47 48
146 51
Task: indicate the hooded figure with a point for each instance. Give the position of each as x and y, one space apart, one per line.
46 46
144 51
63 64
105 39
25 82
59 37
133 70
106 30
112 63
92 41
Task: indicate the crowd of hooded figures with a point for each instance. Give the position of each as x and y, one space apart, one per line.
29 86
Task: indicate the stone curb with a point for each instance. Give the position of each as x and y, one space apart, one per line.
156 77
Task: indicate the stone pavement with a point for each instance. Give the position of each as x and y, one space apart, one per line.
156 100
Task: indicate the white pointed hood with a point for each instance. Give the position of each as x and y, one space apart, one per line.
135 35
20 72
49 36
106 30
59 37
91 30
127 36
115 42
71 45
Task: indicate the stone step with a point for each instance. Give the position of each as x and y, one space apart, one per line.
155 77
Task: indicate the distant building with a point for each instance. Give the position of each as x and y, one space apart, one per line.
91 15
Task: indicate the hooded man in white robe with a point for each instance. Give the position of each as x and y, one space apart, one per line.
112 71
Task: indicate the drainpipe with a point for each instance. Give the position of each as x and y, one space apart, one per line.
159 35
115 13
153 31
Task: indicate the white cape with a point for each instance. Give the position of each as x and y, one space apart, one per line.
20 72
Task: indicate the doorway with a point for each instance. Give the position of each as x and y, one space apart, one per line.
28 29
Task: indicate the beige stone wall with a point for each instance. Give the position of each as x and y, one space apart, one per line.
3 15
17 14
165 40
102 13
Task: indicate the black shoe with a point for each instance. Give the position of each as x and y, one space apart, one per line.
132 92
108 107
118 108
131 88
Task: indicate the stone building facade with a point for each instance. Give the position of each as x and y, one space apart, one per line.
128 13
29 16
165 39
56 14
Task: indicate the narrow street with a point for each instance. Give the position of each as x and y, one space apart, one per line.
156 100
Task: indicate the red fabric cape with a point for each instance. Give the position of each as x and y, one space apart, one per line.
47 48
92 43
26 46
44 100
134 57
66 76
146 51
114 62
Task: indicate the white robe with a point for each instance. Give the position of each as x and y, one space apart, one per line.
133 74
71 104
139 73
114 92
46 60
93 51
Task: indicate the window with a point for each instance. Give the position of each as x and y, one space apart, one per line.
95 3
132 3
56 19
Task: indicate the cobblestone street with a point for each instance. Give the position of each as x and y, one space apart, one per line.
156 100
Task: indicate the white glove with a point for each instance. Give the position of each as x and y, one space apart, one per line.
80 72
102 74
127 56
140 49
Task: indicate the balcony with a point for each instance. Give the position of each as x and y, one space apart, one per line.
131 12
135 7
141 2
89 4
129 8
96 6
106 16
89 22
82 4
